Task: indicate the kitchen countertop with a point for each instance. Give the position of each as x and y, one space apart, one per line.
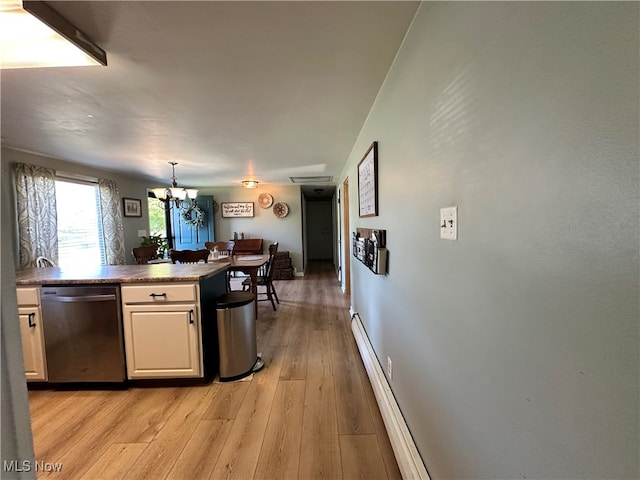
166 272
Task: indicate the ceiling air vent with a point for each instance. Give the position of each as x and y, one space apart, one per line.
316 179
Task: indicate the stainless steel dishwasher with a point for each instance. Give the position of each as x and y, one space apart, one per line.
82 328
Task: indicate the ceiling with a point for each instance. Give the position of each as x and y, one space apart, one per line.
229 90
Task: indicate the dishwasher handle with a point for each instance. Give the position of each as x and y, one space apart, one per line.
82 298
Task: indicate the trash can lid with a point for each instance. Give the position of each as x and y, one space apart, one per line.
234 299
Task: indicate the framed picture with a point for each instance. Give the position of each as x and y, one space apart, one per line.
236 209
368 183
132 207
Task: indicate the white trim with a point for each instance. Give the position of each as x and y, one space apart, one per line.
404 448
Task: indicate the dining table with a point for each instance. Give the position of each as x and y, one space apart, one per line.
249 264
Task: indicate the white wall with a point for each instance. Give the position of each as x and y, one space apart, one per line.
515 348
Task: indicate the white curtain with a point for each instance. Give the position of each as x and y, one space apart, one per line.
37 216
112 229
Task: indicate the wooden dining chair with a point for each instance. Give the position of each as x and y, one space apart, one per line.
224 248
189 256
43 262
142 255
266 280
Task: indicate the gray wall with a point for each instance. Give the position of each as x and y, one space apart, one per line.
515 348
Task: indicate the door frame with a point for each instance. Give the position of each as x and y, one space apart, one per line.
346 239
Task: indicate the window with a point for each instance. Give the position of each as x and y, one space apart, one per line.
157 218
80 239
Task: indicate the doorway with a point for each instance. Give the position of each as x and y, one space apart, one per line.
319 223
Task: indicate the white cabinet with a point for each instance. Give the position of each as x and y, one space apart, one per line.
30 315
162 330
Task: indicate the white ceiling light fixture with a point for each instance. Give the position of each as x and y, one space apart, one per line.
250 183
32 34
174 195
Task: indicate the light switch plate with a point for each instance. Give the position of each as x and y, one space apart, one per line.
142 233
449 223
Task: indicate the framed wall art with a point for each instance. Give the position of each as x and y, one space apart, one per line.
236 209
132 207
368 183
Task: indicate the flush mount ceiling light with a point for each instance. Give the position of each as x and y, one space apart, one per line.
250 183
174 195
32 34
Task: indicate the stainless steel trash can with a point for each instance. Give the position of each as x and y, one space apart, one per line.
237 335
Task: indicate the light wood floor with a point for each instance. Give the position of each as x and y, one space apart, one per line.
309 414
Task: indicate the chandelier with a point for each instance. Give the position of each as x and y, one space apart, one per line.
174 195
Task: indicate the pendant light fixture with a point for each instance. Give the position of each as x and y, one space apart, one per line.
175 196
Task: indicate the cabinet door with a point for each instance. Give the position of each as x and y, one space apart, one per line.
162 341
32 343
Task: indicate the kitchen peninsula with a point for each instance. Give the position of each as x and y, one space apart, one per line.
150 321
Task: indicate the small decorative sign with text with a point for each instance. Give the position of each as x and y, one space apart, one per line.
237 209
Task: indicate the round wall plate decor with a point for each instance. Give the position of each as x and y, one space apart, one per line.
281 209
265 200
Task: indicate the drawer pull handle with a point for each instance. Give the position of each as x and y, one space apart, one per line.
191 316
154 295
31 316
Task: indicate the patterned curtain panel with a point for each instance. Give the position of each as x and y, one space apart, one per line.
112 229
37 217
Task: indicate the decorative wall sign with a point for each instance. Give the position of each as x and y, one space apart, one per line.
368 182
237 209
132 207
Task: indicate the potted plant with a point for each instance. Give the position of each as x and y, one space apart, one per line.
156 240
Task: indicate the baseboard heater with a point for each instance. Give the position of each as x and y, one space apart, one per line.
404 448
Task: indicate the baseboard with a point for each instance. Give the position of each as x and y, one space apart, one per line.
404 448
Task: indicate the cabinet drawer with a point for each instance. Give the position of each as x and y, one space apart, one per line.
28 296
160 293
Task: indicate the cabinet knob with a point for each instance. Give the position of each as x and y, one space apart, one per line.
154 295
191 316
31 316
